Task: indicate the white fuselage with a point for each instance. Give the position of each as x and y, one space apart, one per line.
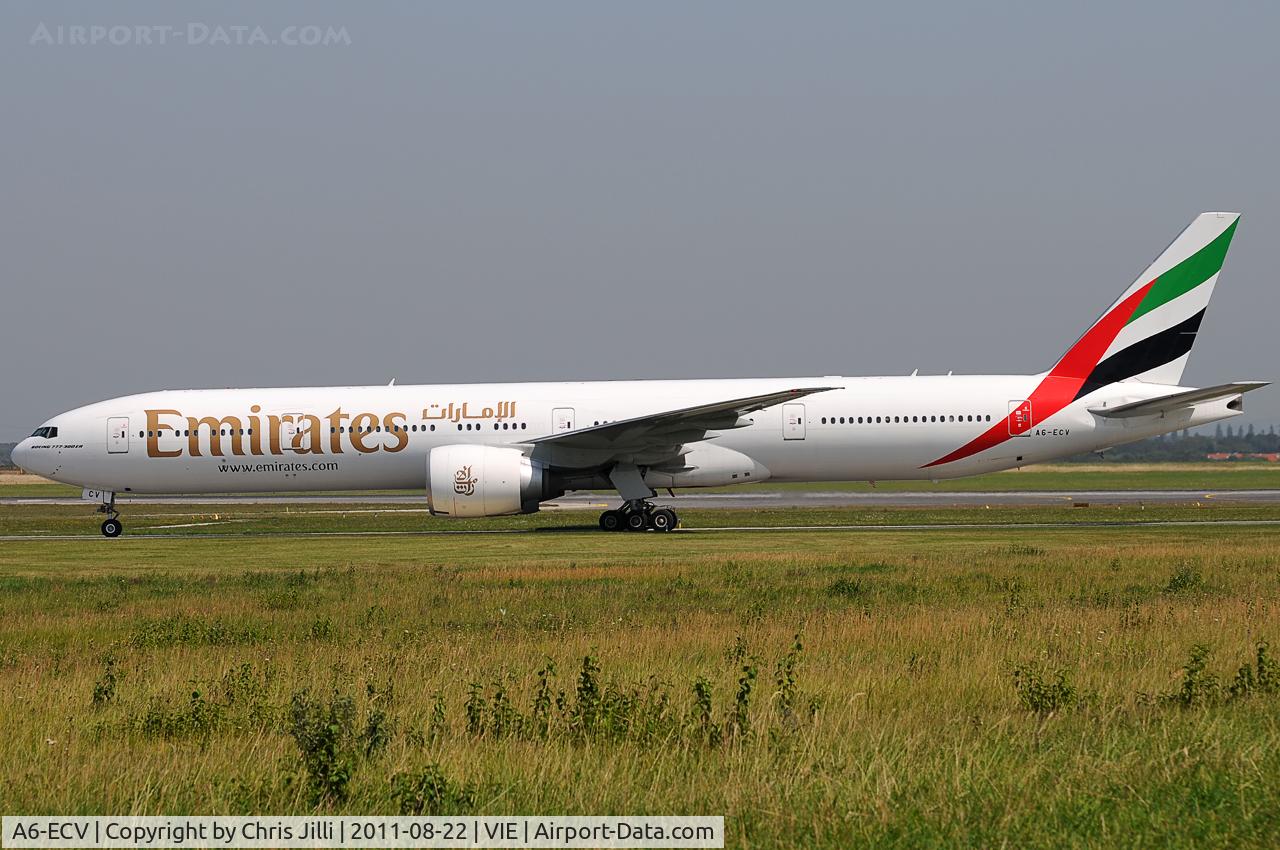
352 438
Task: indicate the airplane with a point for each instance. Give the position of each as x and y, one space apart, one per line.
483 450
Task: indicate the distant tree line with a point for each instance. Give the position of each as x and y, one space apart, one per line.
6 449
1184 445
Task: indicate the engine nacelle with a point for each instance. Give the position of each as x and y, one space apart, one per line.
470 481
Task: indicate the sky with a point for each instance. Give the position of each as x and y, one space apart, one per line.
474 191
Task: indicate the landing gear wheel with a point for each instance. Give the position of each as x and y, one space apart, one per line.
111 526
611 521
637 521
663 519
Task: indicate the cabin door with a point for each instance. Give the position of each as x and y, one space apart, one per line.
294 434
1020 421
793 421
118 435
561 420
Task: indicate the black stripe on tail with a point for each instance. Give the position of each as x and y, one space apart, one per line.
1155 350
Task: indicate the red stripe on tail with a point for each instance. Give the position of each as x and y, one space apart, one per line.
1064 380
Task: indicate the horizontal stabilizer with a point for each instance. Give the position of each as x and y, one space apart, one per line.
1176 401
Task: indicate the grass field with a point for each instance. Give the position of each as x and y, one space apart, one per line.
1026 687
1098 476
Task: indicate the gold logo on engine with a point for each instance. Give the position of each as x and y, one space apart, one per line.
463 483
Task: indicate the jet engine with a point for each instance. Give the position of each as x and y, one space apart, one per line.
471 481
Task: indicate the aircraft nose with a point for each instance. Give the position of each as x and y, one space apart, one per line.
21 455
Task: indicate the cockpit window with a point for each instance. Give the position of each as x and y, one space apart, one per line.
48 432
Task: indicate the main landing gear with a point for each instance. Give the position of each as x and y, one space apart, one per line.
111 526
639 515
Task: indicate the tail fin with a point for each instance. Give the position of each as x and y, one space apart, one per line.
1147 333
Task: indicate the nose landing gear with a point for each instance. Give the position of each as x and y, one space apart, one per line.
111 526
639 515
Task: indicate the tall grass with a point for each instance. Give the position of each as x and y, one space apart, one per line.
1087 687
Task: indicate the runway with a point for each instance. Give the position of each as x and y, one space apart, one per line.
753 500
874 498
592 530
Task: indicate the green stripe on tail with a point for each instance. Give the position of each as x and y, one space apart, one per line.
1188 274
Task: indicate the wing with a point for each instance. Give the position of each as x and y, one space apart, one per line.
1176 401
668 429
